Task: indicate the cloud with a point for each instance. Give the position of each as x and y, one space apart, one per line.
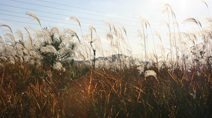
60 24
67 19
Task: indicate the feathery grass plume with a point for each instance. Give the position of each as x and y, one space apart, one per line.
10 51
115 31
145 24
193 94
61 32
191 36
207 34
36 32
173 38
141 44
194 20
161 47
18 46
179 37
91 28
26 58
76 19
122 37
37 43
204 3
34 54
107 22
35 17
49 49
140 34
20 35
4 25
9 38
83 49
208 18
27 45
183 46
72 33
2 41
176 23
109 36
85 37
54 30
158 35
57 66
98 44
165 8
65 40
2 46
124 29
97 39
66 50
164 22
29 35
45 34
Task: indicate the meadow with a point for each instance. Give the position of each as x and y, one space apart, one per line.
39 75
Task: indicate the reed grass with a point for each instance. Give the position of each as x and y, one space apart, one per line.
53 85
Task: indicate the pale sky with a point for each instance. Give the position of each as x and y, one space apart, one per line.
58 12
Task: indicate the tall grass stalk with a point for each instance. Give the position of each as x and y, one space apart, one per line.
29 89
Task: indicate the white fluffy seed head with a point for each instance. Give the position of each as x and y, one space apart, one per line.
34 16
2 41
9 38
76 19
57 66
32 62
10 51
49 49
65 50
150 73
20 34
19 53
18 46
33 53
193 94
26 58
54 30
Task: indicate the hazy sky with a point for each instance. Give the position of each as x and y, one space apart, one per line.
58 12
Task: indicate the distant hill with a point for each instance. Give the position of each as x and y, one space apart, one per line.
112 58
113 61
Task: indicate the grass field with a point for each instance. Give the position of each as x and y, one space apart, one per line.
39 78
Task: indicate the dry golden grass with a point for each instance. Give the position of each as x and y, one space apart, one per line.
80 91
